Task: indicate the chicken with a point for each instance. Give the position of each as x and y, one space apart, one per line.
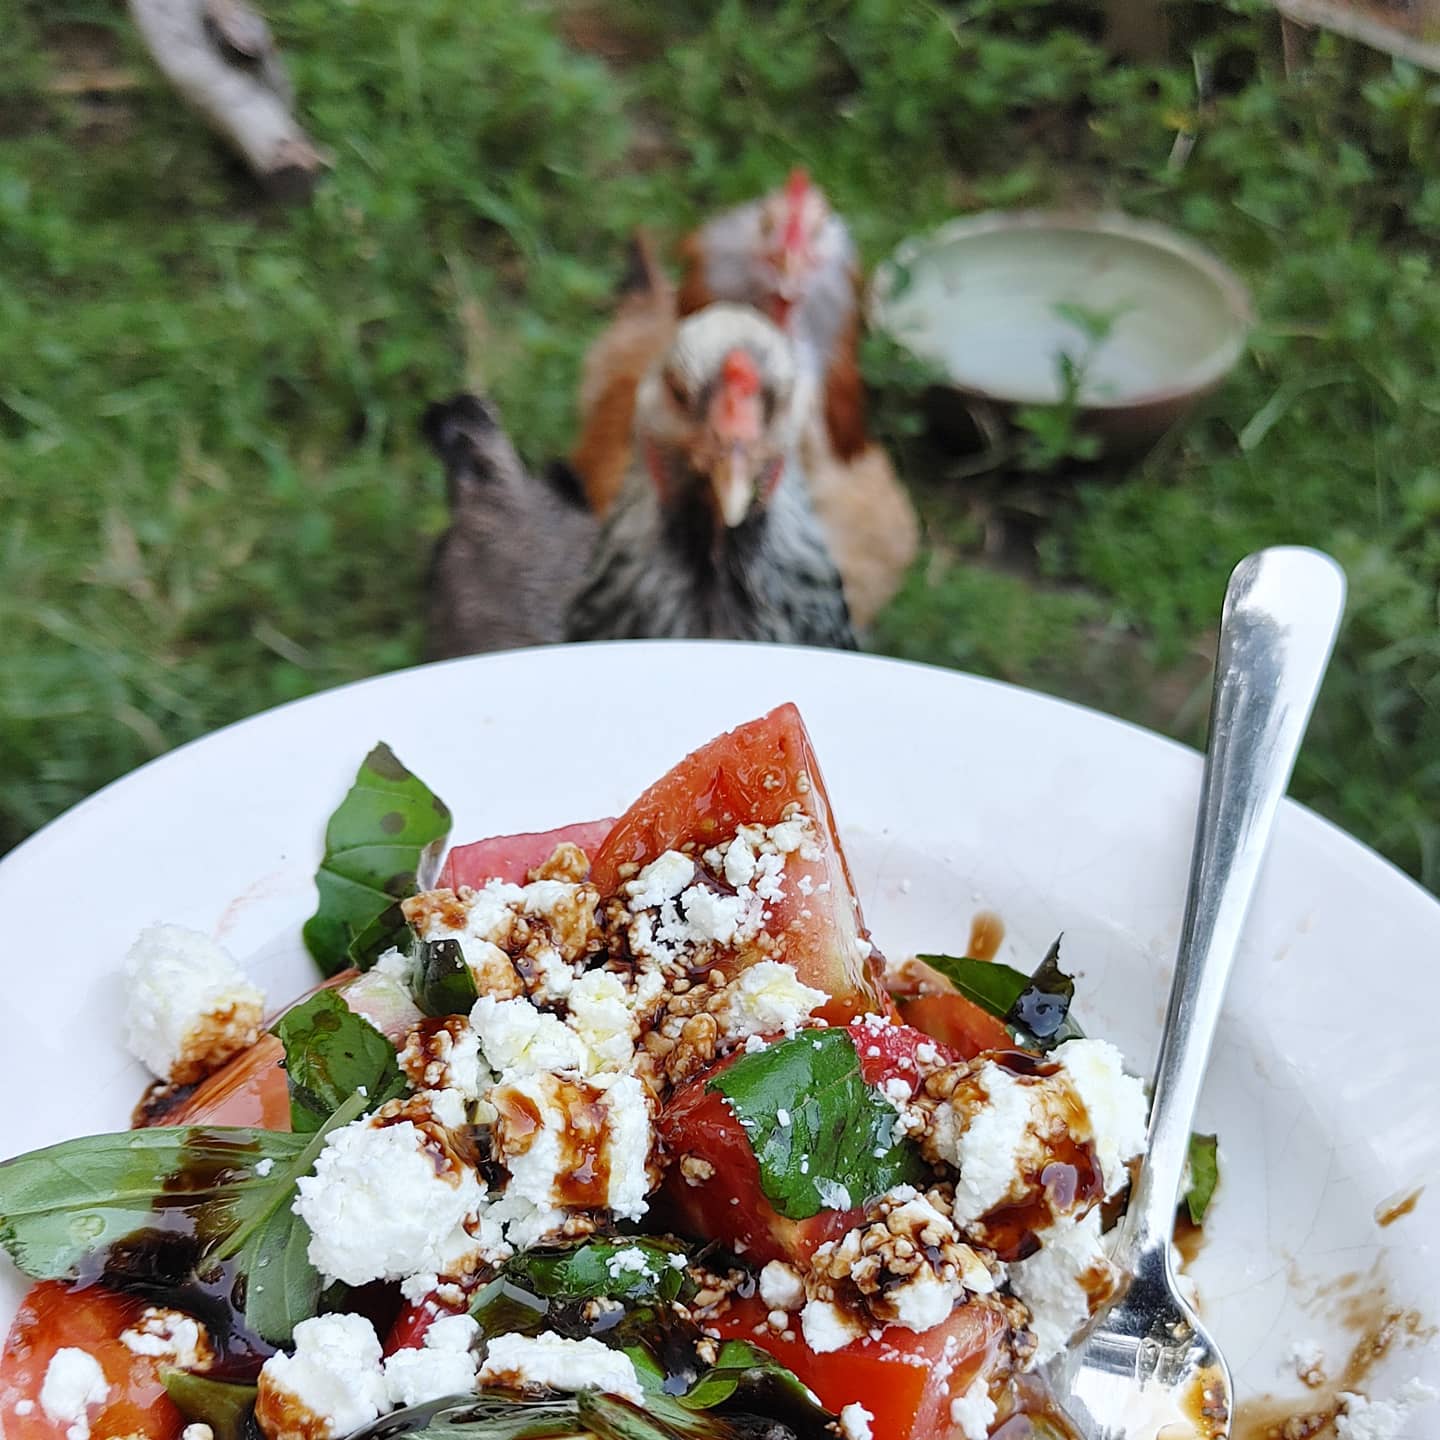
503 573
789 255
713 533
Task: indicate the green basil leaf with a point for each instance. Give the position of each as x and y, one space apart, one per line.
496 1416
227 1407
1023 1002
504 1308
332 1053
620 1269
282 1287
69 1201
824 1139
382 844
741 1366
444 983
1204 1176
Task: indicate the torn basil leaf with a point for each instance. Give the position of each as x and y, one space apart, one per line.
282 1287
627 1268
741 1367
824 1139
1035 1008
1204 1170
382 844
331 1053
444 984
226 1406
69 1201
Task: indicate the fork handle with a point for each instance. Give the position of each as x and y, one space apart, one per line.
1282 612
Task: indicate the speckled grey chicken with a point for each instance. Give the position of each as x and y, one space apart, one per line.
712 534
790 256
504 571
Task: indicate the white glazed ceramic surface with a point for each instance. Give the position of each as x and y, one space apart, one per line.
954 795
985 298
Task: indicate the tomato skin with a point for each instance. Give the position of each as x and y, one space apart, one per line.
408 1330
750 776
731 1205
512 857
949 1017
52 1317
906 1380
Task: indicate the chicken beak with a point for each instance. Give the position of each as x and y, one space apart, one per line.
733 486
736 424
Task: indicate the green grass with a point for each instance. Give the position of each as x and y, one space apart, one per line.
213 498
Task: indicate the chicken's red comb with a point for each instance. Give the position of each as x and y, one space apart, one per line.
797 189
740 374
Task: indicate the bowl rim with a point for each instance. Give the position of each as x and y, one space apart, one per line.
1204 377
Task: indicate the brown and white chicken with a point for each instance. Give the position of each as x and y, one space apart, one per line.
712 533
790 256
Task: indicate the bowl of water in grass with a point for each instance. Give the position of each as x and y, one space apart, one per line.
1127 321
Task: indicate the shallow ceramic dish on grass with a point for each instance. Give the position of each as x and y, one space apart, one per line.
994 301
955 796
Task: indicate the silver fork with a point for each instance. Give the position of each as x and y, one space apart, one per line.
1147 1363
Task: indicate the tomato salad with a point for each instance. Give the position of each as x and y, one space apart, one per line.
624 1130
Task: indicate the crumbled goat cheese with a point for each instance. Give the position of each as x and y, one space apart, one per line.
710 915
1056 1282
661 880
1114 1101
73 1383
549 1362
600 1016
443 1365
627 1124
169 1335
631 1261
855 1422
448 1107
988 1151
331 1385
197 1430
827 1327
415 1288
781 1286
739 861
833 1195
517 1039
378 1209
922 1302
264 1167
188 1005
765 997
1366 1419
973 1411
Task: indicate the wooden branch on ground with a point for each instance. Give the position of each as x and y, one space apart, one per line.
221 56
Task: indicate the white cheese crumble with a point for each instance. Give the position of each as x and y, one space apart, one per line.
1364 1419
443 1365
1307 1359
765 997
781 1286
988 1150
974 1411
631 1261
188 1005
1051 1282
73 1383
169 1335
661 880
334 1376
378 1209
1114 1101
856 1422
549 1362
517 1039
923 1301
197 1430
827 1327
600 1016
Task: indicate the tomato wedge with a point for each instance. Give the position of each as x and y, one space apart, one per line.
750 776
905 1380
513 857
55 1317
730 1204
957 1022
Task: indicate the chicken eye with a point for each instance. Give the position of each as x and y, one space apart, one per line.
679 393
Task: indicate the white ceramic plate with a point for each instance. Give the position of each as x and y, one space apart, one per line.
954 795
